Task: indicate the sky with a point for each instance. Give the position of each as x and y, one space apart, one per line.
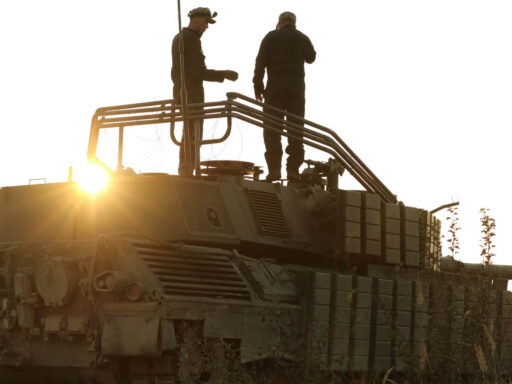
420 90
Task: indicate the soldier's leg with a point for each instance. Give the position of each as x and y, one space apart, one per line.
197 126
295 148
186 167
272 139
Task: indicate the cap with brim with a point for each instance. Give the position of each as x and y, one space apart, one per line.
198 12
290 16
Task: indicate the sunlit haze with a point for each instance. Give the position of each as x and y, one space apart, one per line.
421 91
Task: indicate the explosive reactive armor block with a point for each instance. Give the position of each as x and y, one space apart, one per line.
382 233
363 323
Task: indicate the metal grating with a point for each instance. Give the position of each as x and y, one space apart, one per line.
193 271
269 214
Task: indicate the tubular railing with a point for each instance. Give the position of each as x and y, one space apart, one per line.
244 109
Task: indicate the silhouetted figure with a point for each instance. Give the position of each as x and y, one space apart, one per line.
195 72
283 53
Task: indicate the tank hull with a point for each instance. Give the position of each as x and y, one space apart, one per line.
130 309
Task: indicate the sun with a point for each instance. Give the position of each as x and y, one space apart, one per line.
94 179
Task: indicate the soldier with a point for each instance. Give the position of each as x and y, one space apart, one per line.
195 72
283 53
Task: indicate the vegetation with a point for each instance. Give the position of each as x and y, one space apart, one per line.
467 334
453 228
488 225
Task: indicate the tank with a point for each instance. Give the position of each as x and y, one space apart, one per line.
223 278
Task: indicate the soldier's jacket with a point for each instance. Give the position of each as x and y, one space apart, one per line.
283 53
195 67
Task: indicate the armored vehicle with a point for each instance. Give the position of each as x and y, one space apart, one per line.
222 278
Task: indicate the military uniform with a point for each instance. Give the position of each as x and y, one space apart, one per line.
195 71
195 67
283 53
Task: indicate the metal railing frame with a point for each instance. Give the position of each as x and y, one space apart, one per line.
165 111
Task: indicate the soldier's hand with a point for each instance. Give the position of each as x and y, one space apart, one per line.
258 96
231 75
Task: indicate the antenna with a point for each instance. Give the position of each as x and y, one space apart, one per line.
183 93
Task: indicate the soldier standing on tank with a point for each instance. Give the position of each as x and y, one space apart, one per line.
195 72
283 53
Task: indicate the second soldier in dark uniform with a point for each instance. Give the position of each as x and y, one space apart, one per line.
283 53
195 71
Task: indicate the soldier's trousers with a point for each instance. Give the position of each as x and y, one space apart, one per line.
274 150
186 167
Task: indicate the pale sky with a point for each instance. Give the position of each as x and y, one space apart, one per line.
420 90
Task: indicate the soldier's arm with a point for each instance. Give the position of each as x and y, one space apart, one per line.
198 66
310 53
259 69
213 75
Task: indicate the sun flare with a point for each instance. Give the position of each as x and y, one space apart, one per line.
94 179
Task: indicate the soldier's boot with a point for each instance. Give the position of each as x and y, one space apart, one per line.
186 169
292 168
295 151
274 167
292 174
